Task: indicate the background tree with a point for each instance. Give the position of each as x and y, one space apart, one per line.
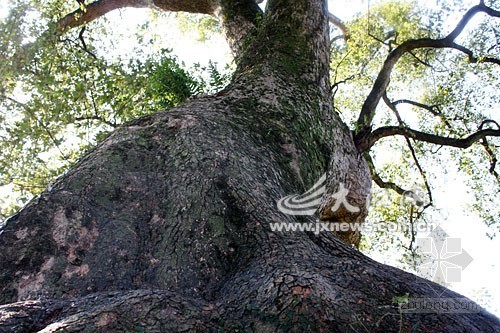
172 210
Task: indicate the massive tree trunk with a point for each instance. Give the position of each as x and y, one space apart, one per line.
165 226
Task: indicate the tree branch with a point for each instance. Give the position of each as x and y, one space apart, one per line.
379 181
95 10
238 18
33 115
339 24
84 45
368 109
434 109
96 118
394 109
473 59
489 121
100 8
492 157
421 171
386 131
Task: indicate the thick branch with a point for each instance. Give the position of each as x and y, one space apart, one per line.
466 142
95 10
238 18
100 8
472 58
368 110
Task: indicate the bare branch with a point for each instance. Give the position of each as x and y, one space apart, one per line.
386 131
238 17
471 57
336 38
434 109
95 10
493 159
419 60
368 110
487 148
84 45
96 118
481 7
392 106
489 121
339 24
379 181
420 170
242 17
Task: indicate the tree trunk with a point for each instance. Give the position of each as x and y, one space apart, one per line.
165 226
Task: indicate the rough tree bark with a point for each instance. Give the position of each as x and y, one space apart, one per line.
165 226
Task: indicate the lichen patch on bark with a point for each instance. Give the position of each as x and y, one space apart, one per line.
76 270
181 123
30 285
22 233
106 319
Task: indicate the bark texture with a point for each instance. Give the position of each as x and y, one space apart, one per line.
165 226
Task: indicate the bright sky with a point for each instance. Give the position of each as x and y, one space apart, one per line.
482 274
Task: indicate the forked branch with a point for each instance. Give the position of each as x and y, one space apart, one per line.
238 17
379 87
394 109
